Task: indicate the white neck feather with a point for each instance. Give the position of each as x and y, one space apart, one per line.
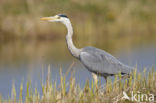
73 50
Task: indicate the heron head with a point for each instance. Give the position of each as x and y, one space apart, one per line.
56 18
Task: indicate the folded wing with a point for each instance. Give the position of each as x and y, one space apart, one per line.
101 62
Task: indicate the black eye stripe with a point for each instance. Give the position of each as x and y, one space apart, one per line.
62 15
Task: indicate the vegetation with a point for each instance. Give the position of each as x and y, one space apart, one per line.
106 24
108 19
112 92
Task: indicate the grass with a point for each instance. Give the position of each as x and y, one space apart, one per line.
106 24
110 20
100 23
112 92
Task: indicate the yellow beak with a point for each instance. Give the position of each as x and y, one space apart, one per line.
48 18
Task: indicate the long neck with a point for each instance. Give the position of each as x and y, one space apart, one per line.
73 50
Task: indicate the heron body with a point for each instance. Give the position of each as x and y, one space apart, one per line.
102 63
95 60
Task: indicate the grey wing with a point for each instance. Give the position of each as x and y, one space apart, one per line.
103 63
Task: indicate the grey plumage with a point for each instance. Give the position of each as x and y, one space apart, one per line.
102 63
95 60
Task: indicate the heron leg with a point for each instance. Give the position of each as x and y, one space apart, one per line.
105 77
95 77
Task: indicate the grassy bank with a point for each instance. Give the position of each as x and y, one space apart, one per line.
112 92
92 20
106 24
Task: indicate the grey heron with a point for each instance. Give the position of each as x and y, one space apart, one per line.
95 60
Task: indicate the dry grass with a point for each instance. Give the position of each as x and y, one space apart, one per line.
106 24
108 19
112 92
113 22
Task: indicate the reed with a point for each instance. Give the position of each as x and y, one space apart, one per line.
112 92
108 19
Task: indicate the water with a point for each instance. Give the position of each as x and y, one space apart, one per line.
23 69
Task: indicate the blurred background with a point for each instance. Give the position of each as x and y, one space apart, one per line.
124 28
